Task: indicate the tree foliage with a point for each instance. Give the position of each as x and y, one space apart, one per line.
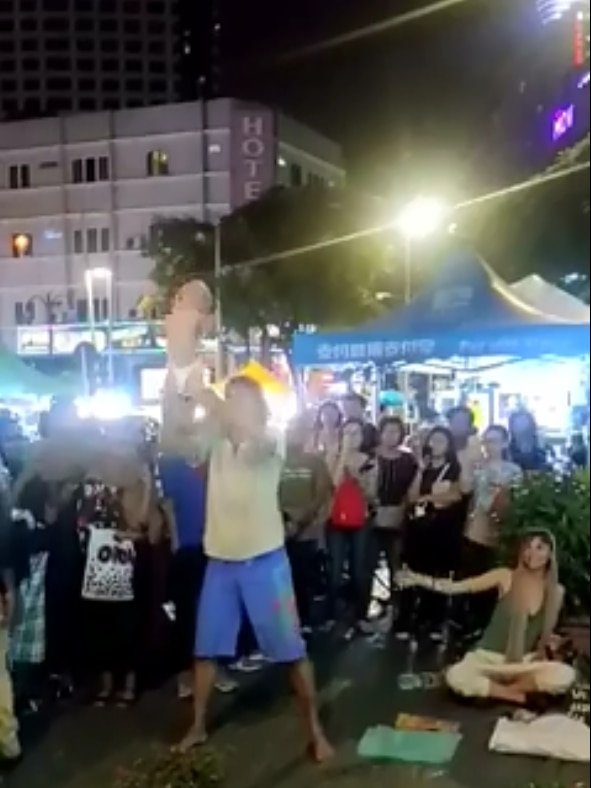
281 265
542 227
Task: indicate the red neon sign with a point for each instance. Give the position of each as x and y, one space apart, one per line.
579 43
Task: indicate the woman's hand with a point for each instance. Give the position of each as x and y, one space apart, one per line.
409 579
550 648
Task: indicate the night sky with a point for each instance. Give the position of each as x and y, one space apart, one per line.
415 103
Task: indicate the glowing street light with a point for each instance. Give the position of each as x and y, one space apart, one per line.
101 274
420 218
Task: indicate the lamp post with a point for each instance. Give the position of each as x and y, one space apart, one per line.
218 315
420 218
91 277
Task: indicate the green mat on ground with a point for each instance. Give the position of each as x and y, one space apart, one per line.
434 748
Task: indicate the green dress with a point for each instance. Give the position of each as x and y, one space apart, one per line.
496 635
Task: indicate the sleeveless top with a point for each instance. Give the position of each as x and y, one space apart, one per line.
496 635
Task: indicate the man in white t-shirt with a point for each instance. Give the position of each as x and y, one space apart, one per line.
248 569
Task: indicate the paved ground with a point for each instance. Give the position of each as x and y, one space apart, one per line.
258 735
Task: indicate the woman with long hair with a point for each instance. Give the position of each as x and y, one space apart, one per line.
525 447
396 471
518 652
327 433
435 529
354 477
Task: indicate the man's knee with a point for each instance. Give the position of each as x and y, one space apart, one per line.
555 678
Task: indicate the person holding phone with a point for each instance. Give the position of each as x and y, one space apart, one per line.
491 481
396 471
355 483
434 530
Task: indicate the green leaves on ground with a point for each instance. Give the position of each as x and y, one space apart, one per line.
198 768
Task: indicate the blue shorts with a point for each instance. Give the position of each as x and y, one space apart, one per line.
260 588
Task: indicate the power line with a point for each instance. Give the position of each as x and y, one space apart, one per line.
376 28
360 234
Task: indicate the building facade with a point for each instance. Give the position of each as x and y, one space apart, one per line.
86 55
79 193
543 104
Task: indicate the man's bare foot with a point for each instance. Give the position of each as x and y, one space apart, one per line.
196 736
321 749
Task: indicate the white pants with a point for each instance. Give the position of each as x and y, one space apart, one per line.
473 675
187 378
9 745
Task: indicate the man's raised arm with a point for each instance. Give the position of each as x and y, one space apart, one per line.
183 434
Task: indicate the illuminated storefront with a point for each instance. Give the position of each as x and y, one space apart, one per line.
64 339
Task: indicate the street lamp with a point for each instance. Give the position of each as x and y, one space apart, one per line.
218 270
91 277
420 218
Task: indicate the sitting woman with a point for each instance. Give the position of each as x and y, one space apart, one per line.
514 657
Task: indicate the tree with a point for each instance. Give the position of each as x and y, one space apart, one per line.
542 228
282 269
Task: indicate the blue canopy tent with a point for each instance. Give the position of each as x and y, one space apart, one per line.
467 312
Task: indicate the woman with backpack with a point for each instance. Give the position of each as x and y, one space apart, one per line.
355 482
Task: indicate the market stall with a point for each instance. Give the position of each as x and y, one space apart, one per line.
470 332
467 313
19 381
551 300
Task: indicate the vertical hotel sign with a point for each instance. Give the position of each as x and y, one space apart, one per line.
253 154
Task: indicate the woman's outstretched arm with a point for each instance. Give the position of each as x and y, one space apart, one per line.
496 579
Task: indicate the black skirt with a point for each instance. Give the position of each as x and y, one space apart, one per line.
111 636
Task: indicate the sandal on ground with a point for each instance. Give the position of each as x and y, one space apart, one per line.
125 700
102 699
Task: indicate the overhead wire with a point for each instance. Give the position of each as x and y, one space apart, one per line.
370 231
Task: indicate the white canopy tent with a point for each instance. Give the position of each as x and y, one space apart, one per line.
551 300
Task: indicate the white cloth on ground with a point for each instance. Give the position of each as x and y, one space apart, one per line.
552 736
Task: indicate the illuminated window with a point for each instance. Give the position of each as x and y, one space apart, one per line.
22 245
156 163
